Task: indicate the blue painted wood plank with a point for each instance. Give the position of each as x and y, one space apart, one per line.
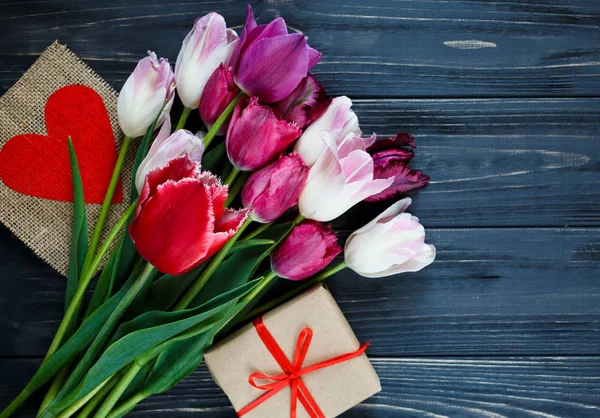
498 387
371 48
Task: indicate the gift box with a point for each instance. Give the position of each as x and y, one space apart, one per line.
301 356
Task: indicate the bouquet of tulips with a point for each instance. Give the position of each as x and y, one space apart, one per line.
190 264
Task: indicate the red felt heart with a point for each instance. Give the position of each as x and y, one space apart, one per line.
38 165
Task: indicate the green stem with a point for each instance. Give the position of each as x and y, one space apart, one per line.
77 405
86 278
119 389
258 231
299 220
56 386
237 187
114 180
221 120
130 403
232 176
184 117
307 284
210 269
14 405
99 397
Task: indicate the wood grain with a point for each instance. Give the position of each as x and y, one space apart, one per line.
490 292
403 48
548 387
497 162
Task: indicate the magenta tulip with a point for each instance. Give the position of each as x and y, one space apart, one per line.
268 62
391 157
308 249
272 190
256 135
219 92
305 104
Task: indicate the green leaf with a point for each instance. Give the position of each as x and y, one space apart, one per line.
211 160
79 242
143 277
148 331
102 292
78 342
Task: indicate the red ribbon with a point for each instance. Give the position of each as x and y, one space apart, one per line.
292 372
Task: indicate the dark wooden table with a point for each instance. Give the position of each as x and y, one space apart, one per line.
504 99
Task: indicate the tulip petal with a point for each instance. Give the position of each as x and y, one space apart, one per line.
405 179
174 231
273 67
314 57
425 257
225 227
177 169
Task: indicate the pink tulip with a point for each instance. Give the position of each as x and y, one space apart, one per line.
181 220
305 104
268 62
272 190
308 249
205 48
148 88
338 120
391 159
256 136
166 148
219 92
392 243
342 176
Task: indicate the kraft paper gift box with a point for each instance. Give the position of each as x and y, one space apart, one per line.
335 389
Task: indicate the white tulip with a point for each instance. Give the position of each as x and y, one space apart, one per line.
392 243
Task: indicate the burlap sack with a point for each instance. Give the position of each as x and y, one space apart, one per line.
45 225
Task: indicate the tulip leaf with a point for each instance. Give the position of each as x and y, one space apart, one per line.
212 158
164 292
105 283
101 338
148 331
79 236
78 342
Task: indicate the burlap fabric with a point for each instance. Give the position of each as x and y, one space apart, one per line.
45 225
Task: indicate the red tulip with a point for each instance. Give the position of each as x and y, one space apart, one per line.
256 135
272 190
390 160
181 220
308 249
219 92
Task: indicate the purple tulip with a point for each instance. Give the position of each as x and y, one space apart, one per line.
308 249
219 92
391 159
256 136
272 190
305 104
268 62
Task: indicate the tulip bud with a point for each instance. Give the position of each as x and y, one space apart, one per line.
341 177
305 104
272 190
180 220
268 62
256 136
391 160
166 148
148 88
308 249
207 46
392 243
338 120
219 92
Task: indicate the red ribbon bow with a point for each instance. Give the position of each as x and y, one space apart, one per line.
292 373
